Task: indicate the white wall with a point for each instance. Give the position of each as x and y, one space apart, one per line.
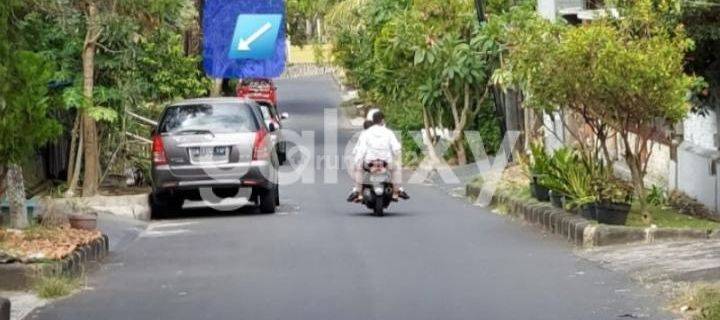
700 130
554 135
549 9
695 157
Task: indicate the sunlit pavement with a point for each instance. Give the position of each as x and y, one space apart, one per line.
434 257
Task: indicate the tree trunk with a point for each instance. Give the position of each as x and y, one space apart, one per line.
460 152
72 155
637 173
217 87
319 30
16 197
77 164
308 29
3 175
89 125
430 140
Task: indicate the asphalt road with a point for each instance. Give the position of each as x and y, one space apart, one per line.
434 257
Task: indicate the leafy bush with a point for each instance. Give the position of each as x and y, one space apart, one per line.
582 178
539 162
656 196
701 302
559 165
55 287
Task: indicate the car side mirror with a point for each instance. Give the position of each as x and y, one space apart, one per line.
284 116
272 127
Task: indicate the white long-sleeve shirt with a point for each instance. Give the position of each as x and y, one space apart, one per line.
377 143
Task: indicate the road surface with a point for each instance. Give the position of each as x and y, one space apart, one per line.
434 257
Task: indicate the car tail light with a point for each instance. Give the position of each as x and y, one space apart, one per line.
158 151
260 149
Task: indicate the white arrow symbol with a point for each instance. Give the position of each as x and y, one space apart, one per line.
244 44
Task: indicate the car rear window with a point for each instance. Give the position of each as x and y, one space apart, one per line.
216 118
257 83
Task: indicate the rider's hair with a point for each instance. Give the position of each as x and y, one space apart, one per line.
367 124
378 117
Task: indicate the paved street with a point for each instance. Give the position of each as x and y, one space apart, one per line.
434 257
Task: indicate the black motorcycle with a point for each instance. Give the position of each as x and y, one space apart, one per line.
377 188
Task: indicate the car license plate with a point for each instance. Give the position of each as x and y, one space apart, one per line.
209 155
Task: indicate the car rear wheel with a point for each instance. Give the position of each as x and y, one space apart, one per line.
160 208
268 200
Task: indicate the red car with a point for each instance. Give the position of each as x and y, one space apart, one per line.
260 90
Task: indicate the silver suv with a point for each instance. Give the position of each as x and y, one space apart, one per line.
218 145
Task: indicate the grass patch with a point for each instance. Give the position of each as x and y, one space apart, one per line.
701 303
664 217
477 182
56 287
501 208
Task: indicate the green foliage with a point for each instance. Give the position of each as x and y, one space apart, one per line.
626 74
416 57
300 11
140 64
708 302
164 72
656 196
560 166
664 217
25 123
579 176
604 67
55 287
539 164
140 60
703 27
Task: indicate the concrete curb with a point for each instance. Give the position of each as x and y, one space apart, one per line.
18 276
583 232
4 309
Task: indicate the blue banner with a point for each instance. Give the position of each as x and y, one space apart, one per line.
244 38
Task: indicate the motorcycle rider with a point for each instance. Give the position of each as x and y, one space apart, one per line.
377 143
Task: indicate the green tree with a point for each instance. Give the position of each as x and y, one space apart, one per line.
120 55
428 62
305 19
25 123
702 22
624 76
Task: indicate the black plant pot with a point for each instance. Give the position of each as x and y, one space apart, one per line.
612 213
539 192
556 198
588 211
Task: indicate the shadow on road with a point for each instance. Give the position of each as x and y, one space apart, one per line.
369 214
209 213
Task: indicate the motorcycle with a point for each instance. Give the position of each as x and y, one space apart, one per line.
377 186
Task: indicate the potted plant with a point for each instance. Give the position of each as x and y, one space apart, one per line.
605 198
556 179
578 187
538 167
614 202
82 216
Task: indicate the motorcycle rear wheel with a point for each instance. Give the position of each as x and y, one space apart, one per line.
379 208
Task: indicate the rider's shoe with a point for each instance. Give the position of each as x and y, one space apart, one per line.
403 195
354 196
